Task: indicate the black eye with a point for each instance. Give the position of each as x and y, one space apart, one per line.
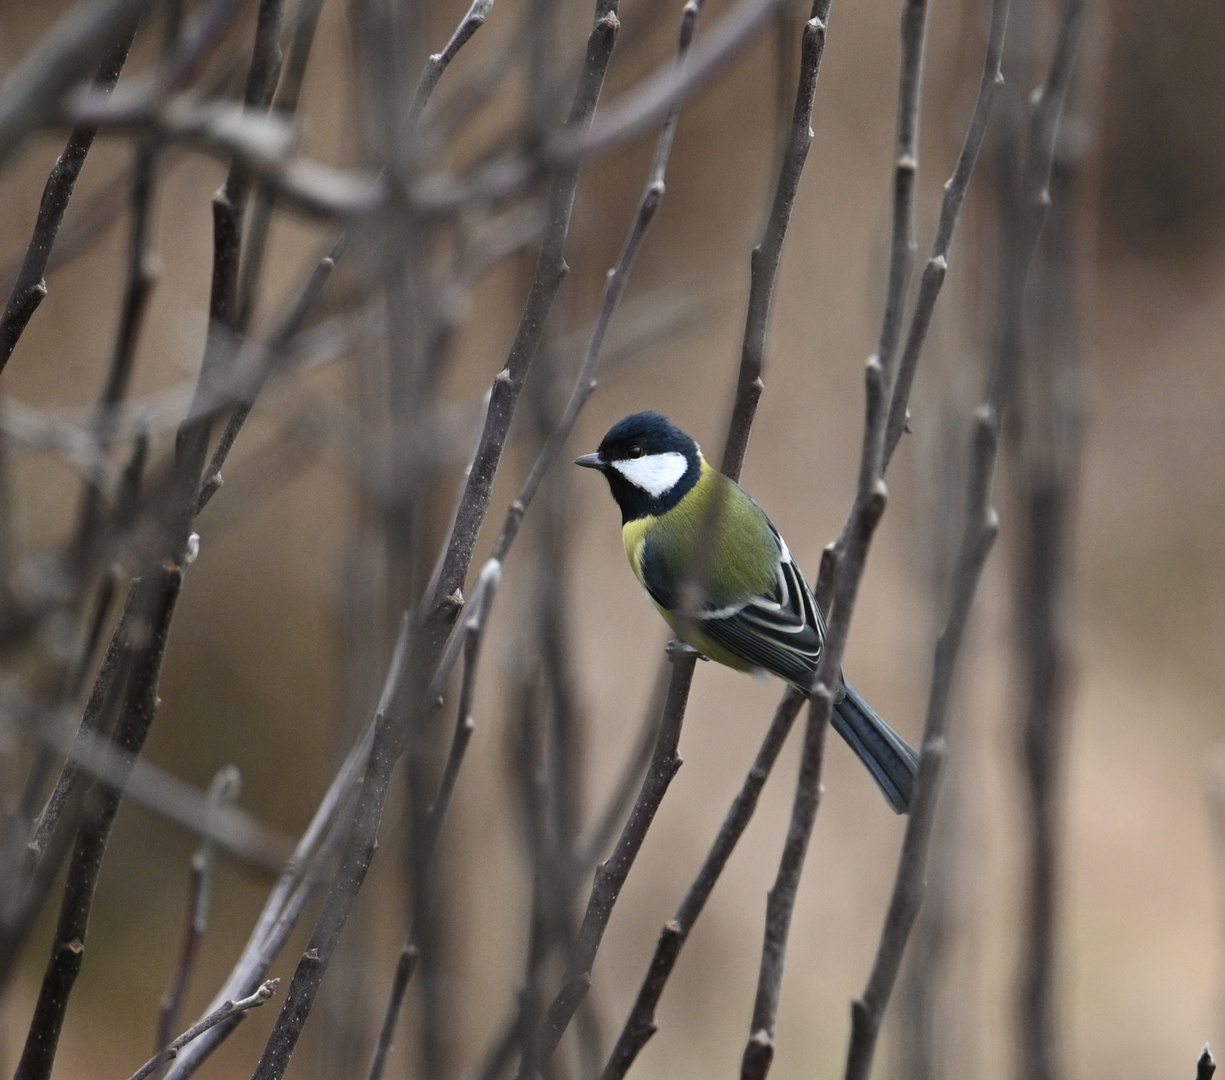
634 452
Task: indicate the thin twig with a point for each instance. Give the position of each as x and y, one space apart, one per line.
759 1050
90 719
67 951
30 287
640 1025
301 874
227 827
156 594
223 790
1048 464
647 104
443 605
473 626
950 208
850 552
611 874
439 61
230 1011
980 528
405 966
285 103
32 94
764 263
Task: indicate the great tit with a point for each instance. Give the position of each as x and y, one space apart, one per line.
756 612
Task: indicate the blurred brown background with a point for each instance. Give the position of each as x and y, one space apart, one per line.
265 669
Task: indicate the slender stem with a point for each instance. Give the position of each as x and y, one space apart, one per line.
102 691
102 803
640 1025
954 195
228 1013
981 525
407 702
222 791
769 250
473 627
30 287
759 1050
405 966
647 104
611 874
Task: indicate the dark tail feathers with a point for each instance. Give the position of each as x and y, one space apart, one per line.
886 754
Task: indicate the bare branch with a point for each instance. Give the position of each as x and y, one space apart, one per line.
954 195
640 1025
30 286
759 1050
438 62
442 606
979 532
155 610
230 1011
611 874
33 93
647 104
222 791
769 251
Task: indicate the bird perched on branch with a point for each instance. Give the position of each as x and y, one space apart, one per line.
721 575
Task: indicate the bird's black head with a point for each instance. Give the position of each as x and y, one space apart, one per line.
650 464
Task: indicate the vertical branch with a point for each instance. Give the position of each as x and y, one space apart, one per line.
155 599
30 288
764 262
610 875
640 1024
222 792
950 209
407 703
1049 415
780 902
102 803
981 525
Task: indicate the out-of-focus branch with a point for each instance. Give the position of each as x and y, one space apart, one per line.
30 286
441 607
222 791
1047 458
225 826
102 803
33 93
155 595
260 143
473 631
227 1013
979 532
113 662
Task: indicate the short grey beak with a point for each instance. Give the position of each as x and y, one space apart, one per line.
590 461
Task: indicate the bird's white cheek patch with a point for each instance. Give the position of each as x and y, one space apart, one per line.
655 473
